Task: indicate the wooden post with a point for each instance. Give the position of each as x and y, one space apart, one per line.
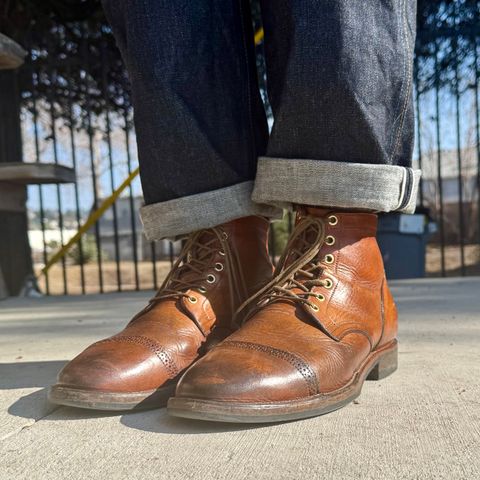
15 255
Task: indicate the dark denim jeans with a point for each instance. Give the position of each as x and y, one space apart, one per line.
339 76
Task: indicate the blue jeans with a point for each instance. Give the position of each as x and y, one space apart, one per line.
339 76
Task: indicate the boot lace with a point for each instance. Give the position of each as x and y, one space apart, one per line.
196 258
298 271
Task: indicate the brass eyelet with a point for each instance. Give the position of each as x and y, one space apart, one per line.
320 297
221 252
218 267
332 220
328 283
314 307
202 289
225 235
330 240
211 278
192 299
329 258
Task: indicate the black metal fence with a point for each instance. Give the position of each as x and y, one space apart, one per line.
448 144
95 137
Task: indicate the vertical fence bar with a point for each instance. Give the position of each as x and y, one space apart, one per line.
461 227
439 162
153 251
52 82
272 243
110 164
131 200
419 126
171 253
290 222
477 128
98 242
75 186
35 80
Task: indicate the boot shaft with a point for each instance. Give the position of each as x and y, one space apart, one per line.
355 268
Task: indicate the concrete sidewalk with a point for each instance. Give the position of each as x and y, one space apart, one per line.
421 423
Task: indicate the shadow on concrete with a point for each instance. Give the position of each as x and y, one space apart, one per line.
71 413
25 375
29 374
158 421
34 405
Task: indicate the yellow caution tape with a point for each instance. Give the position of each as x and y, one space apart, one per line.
91 220
106 204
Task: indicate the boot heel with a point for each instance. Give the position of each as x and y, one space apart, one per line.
385 366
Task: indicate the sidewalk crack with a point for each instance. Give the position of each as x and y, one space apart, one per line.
28 425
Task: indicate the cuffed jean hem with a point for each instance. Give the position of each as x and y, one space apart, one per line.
386 188
184 215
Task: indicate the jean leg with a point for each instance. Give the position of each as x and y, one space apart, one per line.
199 118
340 85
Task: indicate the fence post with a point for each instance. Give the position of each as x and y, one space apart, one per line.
15 256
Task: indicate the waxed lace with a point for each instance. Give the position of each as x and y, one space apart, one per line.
297 272
196 257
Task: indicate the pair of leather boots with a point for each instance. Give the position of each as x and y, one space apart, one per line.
227 338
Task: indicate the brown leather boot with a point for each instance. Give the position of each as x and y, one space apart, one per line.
218 269
325 323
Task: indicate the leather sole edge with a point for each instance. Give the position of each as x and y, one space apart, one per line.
110 401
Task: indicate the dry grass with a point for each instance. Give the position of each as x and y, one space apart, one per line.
109 275
453 260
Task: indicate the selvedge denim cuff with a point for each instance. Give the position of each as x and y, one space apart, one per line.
203 210
282 182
